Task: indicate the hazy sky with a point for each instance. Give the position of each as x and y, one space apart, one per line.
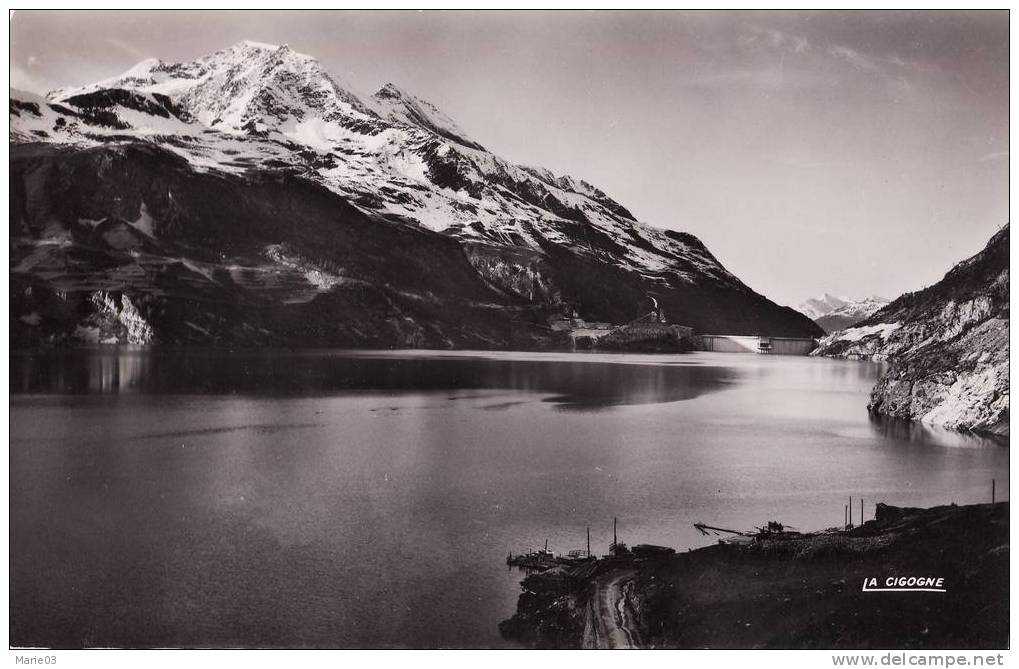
850 152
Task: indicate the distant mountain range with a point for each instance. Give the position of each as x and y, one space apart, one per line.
833 313
947 346
250 197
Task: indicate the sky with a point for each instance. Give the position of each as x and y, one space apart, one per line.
854 153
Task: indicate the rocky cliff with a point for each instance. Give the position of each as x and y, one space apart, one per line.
947 346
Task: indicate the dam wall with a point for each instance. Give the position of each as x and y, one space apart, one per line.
755 344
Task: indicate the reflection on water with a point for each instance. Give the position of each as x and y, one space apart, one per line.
898 429
584 383
368 499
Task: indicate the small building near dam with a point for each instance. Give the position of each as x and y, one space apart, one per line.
757 344
651 332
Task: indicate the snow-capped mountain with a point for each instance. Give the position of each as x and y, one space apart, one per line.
816 307
834 313
282 106
252 112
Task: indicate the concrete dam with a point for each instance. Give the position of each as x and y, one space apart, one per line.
757 344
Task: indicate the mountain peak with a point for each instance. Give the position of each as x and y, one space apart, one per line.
389 90
247 43
816 307
248 46
249 86
397 105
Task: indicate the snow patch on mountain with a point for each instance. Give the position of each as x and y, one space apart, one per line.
880 330
144 224
313 274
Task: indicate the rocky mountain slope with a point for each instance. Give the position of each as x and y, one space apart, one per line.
833 313
947 345
250 197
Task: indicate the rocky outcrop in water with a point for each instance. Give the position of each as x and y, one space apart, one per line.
947 346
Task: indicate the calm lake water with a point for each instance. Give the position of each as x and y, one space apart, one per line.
352 499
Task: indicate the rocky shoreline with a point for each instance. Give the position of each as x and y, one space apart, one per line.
947 347
960 385
789 591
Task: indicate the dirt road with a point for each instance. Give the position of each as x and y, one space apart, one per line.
609 620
